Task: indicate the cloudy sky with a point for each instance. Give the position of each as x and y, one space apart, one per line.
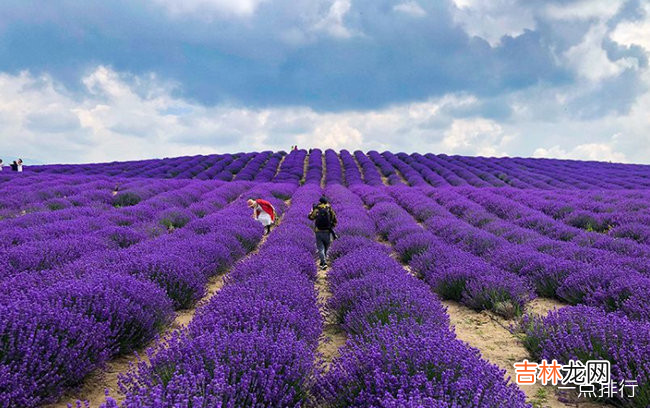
94 80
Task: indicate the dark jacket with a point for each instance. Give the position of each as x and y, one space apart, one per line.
314 212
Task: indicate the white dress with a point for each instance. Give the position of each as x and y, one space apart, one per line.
264 217
20 168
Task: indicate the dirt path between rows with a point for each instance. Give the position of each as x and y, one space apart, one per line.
95 385
343 180
490 335
305 167
277 169
332 337
323 171
94 388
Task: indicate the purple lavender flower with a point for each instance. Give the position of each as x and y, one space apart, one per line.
586 333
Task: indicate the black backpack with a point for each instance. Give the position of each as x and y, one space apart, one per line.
323 218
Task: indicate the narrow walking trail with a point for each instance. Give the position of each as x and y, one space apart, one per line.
332 337
277 169
489 333
324 171
343 179
95 386
305 167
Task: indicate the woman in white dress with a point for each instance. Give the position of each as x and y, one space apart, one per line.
20 165
263 212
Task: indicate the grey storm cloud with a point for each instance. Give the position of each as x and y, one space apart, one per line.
284 53
194 76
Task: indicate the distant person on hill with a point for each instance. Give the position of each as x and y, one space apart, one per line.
14 166
324 219
0 164
263 212
19 164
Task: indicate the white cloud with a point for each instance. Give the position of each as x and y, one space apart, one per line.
333 23
122 117
476 136
491 20
119 119
210 8
590 151
590 60
583 10
411 8
336 134
634 32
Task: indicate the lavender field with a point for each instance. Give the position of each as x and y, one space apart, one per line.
152 281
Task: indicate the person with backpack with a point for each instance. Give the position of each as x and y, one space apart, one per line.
263 212
325 221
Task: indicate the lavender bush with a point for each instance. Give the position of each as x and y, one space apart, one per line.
94 258
586 333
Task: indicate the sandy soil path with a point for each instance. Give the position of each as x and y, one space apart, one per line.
489 333
333 337
94 388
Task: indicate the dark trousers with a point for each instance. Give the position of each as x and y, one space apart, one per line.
323 241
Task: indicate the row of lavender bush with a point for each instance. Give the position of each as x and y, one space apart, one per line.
45 239
620 214
400 351
254 343
451 272
611 274
415 169
573 333
62 318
